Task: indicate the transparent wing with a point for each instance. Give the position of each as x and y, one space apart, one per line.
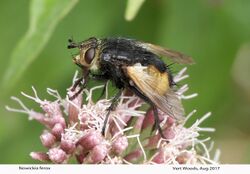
155 86
175 56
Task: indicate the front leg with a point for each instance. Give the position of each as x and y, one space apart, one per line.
111 108
82 85
81 82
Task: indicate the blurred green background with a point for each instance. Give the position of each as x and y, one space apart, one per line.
215 32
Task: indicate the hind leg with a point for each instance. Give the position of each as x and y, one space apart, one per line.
155 111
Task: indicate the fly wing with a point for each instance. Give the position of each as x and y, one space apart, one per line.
175 56
155 85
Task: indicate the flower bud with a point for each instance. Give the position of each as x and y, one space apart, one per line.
90 140
98 153
57 131
68 146
120 144
57 155
149 119
47 139
41 156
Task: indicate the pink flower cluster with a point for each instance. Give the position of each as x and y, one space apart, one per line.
73 129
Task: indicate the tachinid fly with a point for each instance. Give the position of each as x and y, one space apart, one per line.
132 65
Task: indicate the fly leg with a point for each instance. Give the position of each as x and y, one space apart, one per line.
82 86
157 121
76 83
81 82
155 111
111 108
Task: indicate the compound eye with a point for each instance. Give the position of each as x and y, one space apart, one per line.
89 55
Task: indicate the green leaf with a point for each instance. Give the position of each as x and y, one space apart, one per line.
44 17
133 6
